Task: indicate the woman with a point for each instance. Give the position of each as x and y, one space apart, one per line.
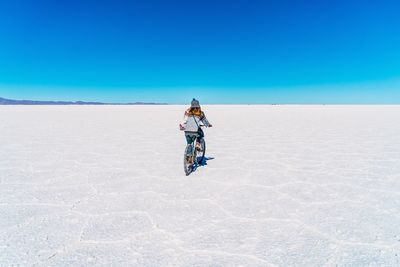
194 117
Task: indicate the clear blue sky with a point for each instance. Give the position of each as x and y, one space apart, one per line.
217 51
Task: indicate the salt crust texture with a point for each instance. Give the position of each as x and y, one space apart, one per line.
283 186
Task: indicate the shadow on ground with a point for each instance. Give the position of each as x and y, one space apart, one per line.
202 163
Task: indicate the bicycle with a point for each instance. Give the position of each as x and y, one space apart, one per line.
193 155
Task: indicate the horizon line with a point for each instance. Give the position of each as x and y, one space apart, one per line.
28 102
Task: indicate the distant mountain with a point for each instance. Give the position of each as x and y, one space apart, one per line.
5 101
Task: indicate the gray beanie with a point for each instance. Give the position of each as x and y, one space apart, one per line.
195 103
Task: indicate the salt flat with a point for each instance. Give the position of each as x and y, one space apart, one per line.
288 186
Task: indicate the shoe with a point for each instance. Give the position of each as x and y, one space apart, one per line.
189 159
198 147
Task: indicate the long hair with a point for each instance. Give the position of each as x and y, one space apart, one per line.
194 111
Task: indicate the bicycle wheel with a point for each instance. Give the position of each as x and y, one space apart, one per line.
201 154
188 159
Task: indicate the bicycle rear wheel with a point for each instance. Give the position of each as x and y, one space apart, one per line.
188 159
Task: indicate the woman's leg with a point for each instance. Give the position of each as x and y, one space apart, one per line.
201 135
189 139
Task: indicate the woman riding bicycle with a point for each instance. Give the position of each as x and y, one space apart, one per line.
193 119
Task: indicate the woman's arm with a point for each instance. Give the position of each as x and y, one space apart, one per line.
204 120
182 125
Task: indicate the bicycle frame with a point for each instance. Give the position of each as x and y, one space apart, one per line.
191 165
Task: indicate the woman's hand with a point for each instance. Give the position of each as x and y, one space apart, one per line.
181 127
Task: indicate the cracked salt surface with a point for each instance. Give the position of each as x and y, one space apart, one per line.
288 186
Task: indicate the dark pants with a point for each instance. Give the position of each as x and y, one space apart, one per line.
190 137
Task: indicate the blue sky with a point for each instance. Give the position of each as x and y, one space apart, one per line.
218 51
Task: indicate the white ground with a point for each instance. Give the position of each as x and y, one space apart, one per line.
288 186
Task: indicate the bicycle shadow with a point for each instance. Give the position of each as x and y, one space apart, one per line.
202 163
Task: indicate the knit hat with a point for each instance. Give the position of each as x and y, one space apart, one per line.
195 103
